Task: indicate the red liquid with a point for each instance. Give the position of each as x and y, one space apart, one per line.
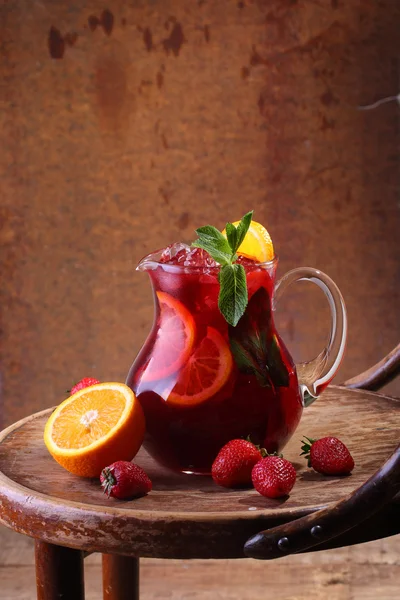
263 403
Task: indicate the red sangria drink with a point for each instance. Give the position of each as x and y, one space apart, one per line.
203 381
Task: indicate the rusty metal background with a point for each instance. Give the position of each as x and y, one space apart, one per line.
126 125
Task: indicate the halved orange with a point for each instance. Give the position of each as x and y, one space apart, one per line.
95 427
205 372
257 243
174 341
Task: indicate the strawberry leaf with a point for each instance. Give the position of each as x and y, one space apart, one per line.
306 448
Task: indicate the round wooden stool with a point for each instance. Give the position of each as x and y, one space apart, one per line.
189 516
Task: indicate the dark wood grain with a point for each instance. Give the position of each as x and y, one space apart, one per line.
379 375
120 577
185 516
59 572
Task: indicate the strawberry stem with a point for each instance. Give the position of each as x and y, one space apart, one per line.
306 448
263 451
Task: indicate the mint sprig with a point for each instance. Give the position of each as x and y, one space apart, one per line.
232 299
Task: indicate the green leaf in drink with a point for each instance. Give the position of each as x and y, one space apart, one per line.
255 352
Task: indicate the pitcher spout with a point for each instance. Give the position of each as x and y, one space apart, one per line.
153 260
150 262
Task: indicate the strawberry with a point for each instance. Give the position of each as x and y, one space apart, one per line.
234 462
83 383
328 455
273 476
124 479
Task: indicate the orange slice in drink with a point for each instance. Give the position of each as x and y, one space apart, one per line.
95 427
175 337
257 243
205 372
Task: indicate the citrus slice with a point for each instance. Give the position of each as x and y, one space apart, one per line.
257 243
174 341
95 427
205 372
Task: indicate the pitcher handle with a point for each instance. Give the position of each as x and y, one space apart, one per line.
316 374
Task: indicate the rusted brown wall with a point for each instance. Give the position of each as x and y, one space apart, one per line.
125 125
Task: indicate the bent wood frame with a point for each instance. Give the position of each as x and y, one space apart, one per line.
316 531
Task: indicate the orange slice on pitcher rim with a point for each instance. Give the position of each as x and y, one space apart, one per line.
174 341
257 243
205 372
95 427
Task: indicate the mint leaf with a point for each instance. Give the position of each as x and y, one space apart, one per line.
232 300
251 357
247 363
231 234
243 228
210 235
277 367
255 352
242 357
221 257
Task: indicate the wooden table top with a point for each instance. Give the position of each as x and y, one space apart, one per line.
185 516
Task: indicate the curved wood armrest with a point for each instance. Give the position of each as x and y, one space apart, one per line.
323 525
378 375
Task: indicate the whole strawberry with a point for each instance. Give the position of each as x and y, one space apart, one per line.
273 477
83 383
124 479
234 462
328 455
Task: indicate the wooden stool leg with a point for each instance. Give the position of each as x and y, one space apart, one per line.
59 572
120 577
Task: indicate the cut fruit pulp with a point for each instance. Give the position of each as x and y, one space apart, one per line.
257 243
174 340
94 427
205 372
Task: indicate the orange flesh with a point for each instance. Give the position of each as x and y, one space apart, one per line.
206 371
89 418
173 335
200 373
174 340
257 243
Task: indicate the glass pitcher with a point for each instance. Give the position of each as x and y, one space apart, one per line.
202 382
